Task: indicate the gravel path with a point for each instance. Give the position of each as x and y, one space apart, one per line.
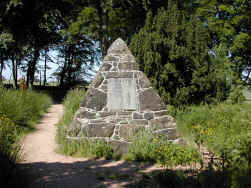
48 169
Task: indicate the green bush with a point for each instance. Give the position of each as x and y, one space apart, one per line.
147 146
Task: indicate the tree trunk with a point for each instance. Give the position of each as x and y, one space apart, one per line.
103 14
63 72
32 68
45 66
247 78
1 71
14 72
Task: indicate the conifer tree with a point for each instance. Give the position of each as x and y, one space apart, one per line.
173 50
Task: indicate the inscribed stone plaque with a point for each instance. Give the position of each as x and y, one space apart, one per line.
122 94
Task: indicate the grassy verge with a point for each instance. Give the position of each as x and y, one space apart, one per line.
225 130
19 110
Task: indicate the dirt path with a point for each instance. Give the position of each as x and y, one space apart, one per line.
48 169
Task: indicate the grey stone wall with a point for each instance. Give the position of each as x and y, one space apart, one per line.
120 102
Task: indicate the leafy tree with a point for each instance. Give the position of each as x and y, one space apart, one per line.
104 21
76 57
173 50
34 25
229 22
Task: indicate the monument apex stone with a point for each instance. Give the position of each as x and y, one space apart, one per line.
120 102
118 47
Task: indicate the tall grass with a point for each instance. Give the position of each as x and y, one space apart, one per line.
23 107
150 147
19 110
225 129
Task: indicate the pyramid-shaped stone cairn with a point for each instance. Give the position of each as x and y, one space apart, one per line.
120 101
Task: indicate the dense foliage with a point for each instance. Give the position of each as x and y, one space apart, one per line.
81 31
225 129
229 23
173 50
19 110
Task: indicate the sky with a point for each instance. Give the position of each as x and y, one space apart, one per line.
7 73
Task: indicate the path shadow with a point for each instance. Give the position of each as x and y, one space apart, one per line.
82 174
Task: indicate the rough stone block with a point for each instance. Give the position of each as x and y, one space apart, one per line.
82 113
161 113
97 121
97 81
110 58
98 130
162 123
128 66
105 67
137 115
149 100
105 114
138 122
124 113
148 115
119 75
128 58
143 80
104 88
128 131
123 122
94 99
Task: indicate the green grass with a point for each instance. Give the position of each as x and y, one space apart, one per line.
23 108
149 147
19 111
225 129
214 123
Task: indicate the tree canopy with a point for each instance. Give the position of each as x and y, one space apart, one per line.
193 51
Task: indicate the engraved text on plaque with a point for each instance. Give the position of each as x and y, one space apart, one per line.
122 94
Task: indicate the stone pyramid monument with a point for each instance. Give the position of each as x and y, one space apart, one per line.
120 101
